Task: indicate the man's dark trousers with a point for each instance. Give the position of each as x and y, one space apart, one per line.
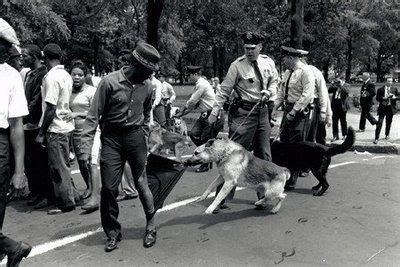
36 166
385 111
366 115
7 245
118 147
339 115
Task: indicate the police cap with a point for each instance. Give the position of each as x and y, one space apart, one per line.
252 38
290 51
193 69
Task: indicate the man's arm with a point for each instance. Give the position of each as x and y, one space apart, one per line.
272 84
17 139
308 83
92 118
147 109
48 117
226 89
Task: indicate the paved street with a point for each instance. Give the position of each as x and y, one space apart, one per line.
355 223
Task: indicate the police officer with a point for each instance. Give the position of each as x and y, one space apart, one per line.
296 94
203 99
252 78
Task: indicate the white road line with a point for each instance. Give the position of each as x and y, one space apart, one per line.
43 248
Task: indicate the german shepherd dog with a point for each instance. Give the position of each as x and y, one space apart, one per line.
163 141
307 155
237 165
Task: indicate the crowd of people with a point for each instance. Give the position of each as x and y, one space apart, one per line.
54 109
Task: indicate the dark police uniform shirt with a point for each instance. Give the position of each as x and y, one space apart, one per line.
118 105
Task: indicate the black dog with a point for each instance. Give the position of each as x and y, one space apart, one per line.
307 155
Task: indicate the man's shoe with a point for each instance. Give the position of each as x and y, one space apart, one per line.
125 197
203 168
344 137
22 252
34 200
375 141
41 204
150 238
387 137
90 207
360 131
112 243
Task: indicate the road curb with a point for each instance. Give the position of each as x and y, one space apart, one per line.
389 148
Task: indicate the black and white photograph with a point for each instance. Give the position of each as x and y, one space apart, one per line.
199 133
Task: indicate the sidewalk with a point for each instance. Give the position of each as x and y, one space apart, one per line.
364 140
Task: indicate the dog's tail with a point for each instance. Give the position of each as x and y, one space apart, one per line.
346 145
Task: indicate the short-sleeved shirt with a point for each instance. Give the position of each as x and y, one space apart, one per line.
242 77
12 97
203 96
57 90
167 92
301 87
80 103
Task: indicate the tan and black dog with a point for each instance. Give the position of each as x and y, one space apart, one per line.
236 166
162 141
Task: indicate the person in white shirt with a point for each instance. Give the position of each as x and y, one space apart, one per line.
167 98
56 128
13 107
202 99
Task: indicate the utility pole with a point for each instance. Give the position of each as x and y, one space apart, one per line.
296 23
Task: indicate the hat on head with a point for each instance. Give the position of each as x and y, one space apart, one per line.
147 55
14 51
7 33
193 69
251 38
290 51
52 51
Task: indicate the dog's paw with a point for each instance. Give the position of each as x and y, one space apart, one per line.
275 210
200 199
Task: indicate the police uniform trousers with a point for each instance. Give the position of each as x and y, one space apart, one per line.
317 131
295 130
384 111
7 245
119 146
202 131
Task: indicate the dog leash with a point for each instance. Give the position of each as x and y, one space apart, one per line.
245 118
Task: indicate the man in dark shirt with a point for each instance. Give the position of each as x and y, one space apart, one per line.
122 106
36 166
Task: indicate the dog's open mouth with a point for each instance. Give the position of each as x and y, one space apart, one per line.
194 160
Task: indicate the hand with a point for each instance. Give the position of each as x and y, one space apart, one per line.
69 116
40 139
322 116
212 119
274 114
290 116
19 182
265 95
328 123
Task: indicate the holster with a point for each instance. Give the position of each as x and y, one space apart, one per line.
234 105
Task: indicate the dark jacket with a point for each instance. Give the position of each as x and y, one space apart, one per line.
343 103
367 94
33 94
384 102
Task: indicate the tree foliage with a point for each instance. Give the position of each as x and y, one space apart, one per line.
343 36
